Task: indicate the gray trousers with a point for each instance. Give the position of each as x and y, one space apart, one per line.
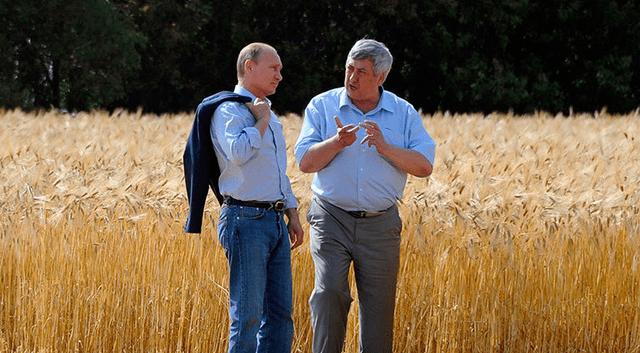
373 245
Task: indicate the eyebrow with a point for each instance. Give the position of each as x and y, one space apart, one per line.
359 69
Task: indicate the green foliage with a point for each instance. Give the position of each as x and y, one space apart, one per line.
459 55
74 54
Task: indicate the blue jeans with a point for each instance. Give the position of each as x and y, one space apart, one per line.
256 243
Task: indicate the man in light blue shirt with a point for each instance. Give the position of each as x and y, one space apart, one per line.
245 154
250 147
361 142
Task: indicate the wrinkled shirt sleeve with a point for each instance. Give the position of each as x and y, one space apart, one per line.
235 133
418 138
310 132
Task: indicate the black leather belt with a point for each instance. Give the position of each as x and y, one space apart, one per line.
363 214
277 206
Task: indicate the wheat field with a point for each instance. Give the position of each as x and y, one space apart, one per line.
524 239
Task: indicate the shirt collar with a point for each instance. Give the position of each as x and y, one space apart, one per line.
245 92
384 103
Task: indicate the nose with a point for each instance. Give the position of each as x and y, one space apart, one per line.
278 76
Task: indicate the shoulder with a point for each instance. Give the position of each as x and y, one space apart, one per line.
394 99
209 105
328 95
223 96
327 101
232 110
232 104
394 103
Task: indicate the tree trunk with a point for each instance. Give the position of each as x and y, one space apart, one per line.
55 83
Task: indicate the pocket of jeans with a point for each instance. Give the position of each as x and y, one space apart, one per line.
223 234
250 213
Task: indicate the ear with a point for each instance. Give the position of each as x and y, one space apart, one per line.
248 66
381 78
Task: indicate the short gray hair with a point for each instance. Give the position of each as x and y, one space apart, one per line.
251 52
376 51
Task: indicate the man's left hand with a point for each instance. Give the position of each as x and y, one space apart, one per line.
296 234
374 136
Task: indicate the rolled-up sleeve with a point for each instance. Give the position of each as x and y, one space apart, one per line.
418 138
309 133
234 131
290 198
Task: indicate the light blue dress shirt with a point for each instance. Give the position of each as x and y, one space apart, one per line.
359 178
252 167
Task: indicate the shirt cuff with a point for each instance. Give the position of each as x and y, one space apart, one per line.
291 202
255 139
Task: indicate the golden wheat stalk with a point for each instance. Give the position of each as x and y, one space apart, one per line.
525 238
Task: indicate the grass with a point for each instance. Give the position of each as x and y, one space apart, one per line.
524 239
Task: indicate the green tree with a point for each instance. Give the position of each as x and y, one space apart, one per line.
73 54
460 55
190 52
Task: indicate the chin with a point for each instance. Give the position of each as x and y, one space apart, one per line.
353 94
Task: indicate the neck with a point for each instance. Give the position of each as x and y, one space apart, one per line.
248 87
365 106
368 104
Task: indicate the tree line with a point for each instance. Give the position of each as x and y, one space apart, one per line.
458 55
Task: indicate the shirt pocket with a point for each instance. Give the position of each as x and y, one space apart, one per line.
393 137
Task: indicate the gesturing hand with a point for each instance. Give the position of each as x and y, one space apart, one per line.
346 134
374 135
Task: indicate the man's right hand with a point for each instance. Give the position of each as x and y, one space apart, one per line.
261 112
260 109
322 153
346 134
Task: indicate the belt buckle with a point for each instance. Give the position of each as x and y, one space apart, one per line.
278 206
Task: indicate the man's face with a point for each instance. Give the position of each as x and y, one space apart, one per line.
361 81
266 74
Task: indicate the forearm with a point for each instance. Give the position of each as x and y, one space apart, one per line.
292 214
261 112
262 125
296 234
409 161
320 154
239 149
234 130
